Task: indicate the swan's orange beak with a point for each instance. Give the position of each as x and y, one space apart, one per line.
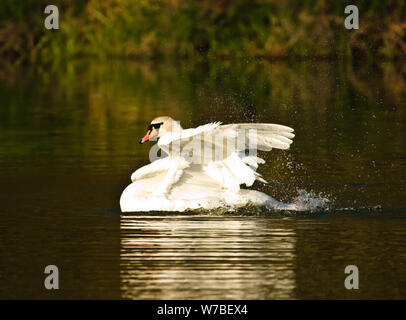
150 134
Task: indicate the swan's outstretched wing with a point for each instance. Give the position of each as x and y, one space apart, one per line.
224 140
220 149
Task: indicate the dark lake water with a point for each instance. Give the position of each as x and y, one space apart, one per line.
69 143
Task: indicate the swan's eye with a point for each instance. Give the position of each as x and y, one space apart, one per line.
155 125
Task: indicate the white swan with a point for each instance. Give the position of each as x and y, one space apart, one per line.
204 167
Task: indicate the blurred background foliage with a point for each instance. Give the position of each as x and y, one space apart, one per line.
194 29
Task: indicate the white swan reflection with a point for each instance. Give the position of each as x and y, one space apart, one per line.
169 257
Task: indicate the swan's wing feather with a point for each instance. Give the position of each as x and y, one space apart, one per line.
263 136
206 128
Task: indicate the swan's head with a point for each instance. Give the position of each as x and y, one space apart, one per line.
159 126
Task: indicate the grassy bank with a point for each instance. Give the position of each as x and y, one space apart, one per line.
202 29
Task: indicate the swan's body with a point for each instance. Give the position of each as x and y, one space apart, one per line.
205 167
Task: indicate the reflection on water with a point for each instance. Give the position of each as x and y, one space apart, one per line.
206 258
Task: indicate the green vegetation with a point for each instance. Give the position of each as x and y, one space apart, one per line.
194 29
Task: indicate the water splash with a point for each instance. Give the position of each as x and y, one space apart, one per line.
310 201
